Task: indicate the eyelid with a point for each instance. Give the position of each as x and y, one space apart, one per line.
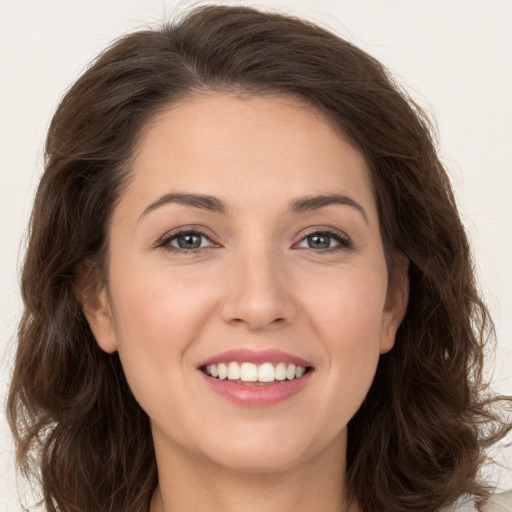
164 241
344 241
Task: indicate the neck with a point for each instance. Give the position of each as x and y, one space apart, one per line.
316 485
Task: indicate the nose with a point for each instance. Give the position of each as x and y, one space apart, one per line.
258 293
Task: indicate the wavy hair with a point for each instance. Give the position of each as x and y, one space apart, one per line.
418 439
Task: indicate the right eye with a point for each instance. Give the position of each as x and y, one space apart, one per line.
185 241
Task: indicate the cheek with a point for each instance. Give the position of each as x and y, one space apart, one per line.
157 318
348 318
348 305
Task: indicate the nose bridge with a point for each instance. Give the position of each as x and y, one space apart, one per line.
257 292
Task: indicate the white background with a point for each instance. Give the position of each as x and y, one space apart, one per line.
453 56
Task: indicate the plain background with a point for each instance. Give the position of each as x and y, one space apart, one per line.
453 56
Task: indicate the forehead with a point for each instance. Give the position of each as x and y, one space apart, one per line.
253 147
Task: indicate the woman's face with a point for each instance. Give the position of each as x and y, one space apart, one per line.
248 235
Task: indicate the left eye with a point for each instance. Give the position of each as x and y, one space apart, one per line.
323 241
188 241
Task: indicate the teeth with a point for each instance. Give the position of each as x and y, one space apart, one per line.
222 369
266 373
233 371
290 372
250 372
280 371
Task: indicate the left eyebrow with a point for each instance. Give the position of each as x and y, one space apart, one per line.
308 203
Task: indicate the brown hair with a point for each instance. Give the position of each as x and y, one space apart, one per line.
418 439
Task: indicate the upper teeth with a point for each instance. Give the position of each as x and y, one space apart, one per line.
250 372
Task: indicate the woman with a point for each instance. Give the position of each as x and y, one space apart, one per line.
247 285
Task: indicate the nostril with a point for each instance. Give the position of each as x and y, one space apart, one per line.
258 305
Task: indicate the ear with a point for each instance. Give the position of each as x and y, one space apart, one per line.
396 303
94 300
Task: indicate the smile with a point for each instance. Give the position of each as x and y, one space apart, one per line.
256 378
254 373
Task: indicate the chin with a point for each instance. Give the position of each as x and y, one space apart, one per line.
270 452
258 461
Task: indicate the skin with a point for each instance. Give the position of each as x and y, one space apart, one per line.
253 282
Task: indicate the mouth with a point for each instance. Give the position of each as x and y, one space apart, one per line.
249 373
256 378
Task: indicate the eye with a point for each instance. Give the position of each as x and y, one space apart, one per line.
186 241
325 240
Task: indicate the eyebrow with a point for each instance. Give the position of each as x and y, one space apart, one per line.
201 201
310 203
213 204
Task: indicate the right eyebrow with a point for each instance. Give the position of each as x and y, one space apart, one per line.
201 201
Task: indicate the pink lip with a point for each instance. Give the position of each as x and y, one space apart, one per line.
256 357
254 395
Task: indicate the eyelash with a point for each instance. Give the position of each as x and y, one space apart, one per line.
343 241
165 242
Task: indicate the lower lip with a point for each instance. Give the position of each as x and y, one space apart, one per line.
254 395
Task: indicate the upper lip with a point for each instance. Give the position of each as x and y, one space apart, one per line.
256 356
